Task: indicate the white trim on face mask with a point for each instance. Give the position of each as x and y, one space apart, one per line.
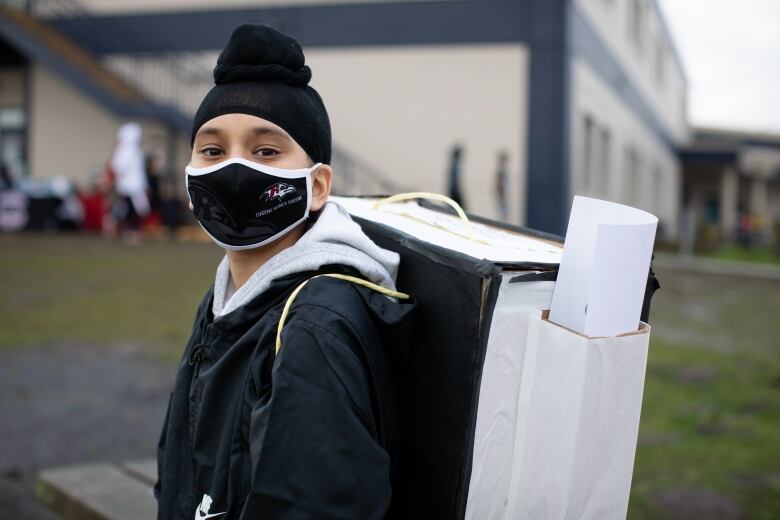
267 241
264 168
279 172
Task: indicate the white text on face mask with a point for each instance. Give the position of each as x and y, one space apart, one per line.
280 205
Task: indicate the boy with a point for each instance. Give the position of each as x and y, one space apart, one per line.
285 401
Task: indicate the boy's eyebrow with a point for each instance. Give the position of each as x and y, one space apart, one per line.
258 130
209 130
262 130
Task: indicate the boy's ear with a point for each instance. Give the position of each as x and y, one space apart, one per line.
320 186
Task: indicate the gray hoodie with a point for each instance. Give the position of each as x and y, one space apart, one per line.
334 239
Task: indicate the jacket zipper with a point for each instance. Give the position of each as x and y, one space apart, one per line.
196 356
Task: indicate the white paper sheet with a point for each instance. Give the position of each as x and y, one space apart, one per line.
603 273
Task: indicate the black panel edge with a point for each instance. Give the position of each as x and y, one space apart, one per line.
493 279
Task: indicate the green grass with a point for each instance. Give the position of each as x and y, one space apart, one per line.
719 431
60 288
711 410
758 254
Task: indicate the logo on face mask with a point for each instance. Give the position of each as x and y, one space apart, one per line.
278 191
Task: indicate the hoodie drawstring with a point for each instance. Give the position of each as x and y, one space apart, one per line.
353 279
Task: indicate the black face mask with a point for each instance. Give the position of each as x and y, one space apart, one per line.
243 204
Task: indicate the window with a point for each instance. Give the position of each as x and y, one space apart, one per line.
658 204
588 132
660 61
13 140
636 22
602 187
633 192
595 157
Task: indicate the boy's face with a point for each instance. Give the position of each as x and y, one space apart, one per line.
256 139
240 135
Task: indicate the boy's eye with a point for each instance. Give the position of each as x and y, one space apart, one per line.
266 152
211 152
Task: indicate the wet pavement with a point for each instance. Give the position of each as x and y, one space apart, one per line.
75 403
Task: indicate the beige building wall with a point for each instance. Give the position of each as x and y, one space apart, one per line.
11 87
650 182
71 135
401 109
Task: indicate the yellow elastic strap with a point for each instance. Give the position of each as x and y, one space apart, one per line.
431 196
353 279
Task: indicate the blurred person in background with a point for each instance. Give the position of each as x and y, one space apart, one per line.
93 200
171 207
501 188
454 174
153 219
13 203
130 184
747 229
6 181
108 225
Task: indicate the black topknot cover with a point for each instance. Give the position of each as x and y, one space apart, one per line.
256 52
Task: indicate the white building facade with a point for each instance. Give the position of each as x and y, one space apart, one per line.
628 114
583 96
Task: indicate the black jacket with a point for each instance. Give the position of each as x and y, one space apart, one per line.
309 433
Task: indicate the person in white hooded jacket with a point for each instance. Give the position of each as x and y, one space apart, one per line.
130 184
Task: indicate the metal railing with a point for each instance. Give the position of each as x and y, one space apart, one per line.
181 79
354 176
178 80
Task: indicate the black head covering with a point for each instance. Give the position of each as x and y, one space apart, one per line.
261 72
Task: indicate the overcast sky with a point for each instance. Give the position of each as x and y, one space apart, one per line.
731 53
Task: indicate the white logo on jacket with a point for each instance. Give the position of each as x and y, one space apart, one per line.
202 511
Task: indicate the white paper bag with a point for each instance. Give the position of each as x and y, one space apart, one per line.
577 423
